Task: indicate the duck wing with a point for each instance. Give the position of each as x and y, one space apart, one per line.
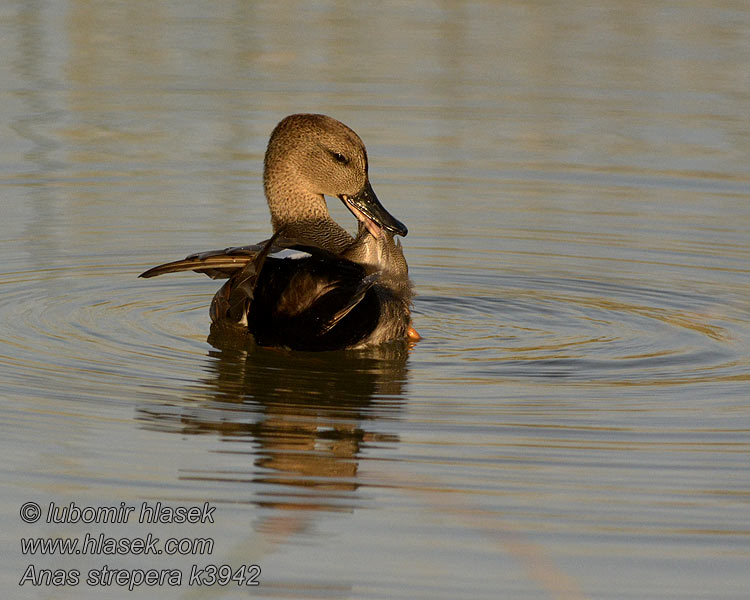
222 264
217 264
234 297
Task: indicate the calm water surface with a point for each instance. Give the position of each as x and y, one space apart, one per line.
576 184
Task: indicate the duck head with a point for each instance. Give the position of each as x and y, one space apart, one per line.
313 156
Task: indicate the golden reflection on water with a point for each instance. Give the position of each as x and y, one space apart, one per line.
306 416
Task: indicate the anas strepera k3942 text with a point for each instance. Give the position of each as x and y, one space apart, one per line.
334 291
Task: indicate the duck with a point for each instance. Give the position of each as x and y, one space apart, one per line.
313 286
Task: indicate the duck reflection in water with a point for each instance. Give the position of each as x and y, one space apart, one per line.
302 417
334 291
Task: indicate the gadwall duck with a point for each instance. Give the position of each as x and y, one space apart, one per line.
312 286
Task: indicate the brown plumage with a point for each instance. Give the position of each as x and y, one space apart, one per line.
340 291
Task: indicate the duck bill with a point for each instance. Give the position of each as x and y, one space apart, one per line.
367 208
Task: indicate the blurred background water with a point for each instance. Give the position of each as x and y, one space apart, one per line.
576 183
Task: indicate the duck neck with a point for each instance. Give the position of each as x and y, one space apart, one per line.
305 217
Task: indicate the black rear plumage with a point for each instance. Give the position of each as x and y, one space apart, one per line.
312 304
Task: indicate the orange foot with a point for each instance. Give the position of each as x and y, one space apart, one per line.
413 335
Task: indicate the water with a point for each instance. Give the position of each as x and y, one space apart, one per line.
576 185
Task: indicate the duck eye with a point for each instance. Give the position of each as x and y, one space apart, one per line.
340 158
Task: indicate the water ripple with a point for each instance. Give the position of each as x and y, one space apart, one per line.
96 328
514 326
